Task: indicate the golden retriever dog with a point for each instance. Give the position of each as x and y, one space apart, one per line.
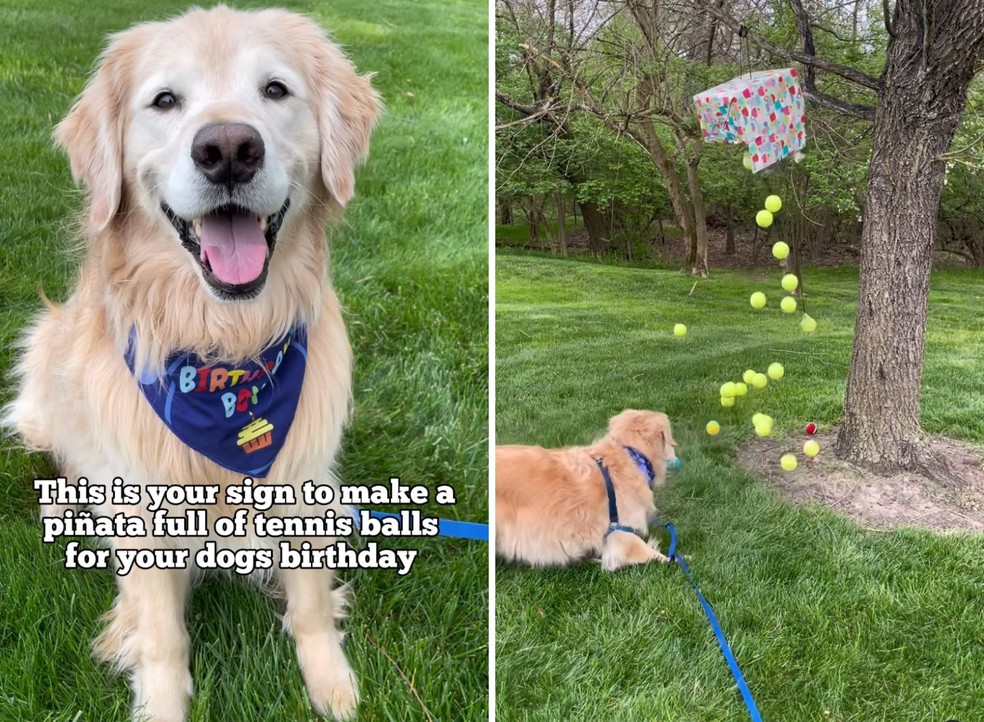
552 505
213 147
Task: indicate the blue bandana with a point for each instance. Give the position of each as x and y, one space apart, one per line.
644 464
238 416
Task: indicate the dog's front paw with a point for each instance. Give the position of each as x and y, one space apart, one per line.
333 692
658 556
330 682
161 694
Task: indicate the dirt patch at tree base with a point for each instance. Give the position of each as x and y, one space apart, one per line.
873 501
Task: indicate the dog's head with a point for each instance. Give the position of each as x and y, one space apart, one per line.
648 432
218 124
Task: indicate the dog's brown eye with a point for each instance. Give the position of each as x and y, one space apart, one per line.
275 90
165 101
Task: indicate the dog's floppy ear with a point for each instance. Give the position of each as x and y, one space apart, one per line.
92 133
348 107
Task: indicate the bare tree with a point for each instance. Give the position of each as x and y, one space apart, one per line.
621 77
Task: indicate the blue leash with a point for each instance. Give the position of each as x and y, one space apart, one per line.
449 527
722 642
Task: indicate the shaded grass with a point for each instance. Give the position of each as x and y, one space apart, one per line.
410 265
828 621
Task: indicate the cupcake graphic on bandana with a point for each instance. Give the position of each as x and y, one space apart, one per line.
256 435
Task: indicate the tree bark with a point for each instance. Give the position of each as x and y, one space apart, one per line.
698 244
931 61
729 220
594 224
505 212
561 224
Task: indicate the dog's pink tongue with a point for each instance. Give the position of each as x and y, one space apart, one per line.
234 246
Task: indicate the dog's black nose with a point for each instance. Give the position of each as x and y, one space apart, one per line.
228 153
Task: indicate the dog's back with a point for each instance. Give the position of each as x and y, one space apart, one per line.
547 504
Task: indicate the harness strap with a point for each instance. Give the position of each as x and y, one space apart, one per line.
613 523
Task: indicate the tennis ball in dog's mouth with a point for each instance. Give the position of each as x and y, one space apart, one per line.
773 204
679 330
757 300
776 371
780 250
713 428
790 282
787 462
788 304
811 448
764 219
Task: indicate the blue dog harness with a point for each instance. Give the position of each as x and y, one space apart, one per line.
645 466
236 415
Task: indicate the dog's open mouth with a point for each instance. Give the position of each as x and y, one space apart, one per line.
233 245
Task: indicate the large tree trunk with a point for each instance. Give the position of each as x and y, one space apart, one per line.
931 61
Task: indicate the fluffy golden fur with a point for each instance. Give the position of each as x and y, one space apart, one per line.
77 399
551 506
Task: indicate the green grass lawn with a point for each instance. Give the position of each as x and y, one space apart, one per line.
828 621
410 264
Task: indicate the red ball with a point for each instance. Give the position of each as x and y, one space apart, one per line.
811 429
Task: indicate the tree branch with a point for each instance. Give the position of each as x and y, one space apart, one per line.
526 110
887 17
851 74
805 31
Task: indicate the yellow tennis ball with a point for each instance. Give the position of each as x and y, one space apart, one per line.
788 304
808 324
757 300
787 462
764 219
746 160
727 390
776 371
790 282
727 401
780 250
679 330
763 429
748 376
713 427
740 389
773 204
760 381
758 419
811 448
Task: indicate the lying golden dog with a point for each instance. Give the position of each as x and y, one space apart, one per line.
214 147
553 506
